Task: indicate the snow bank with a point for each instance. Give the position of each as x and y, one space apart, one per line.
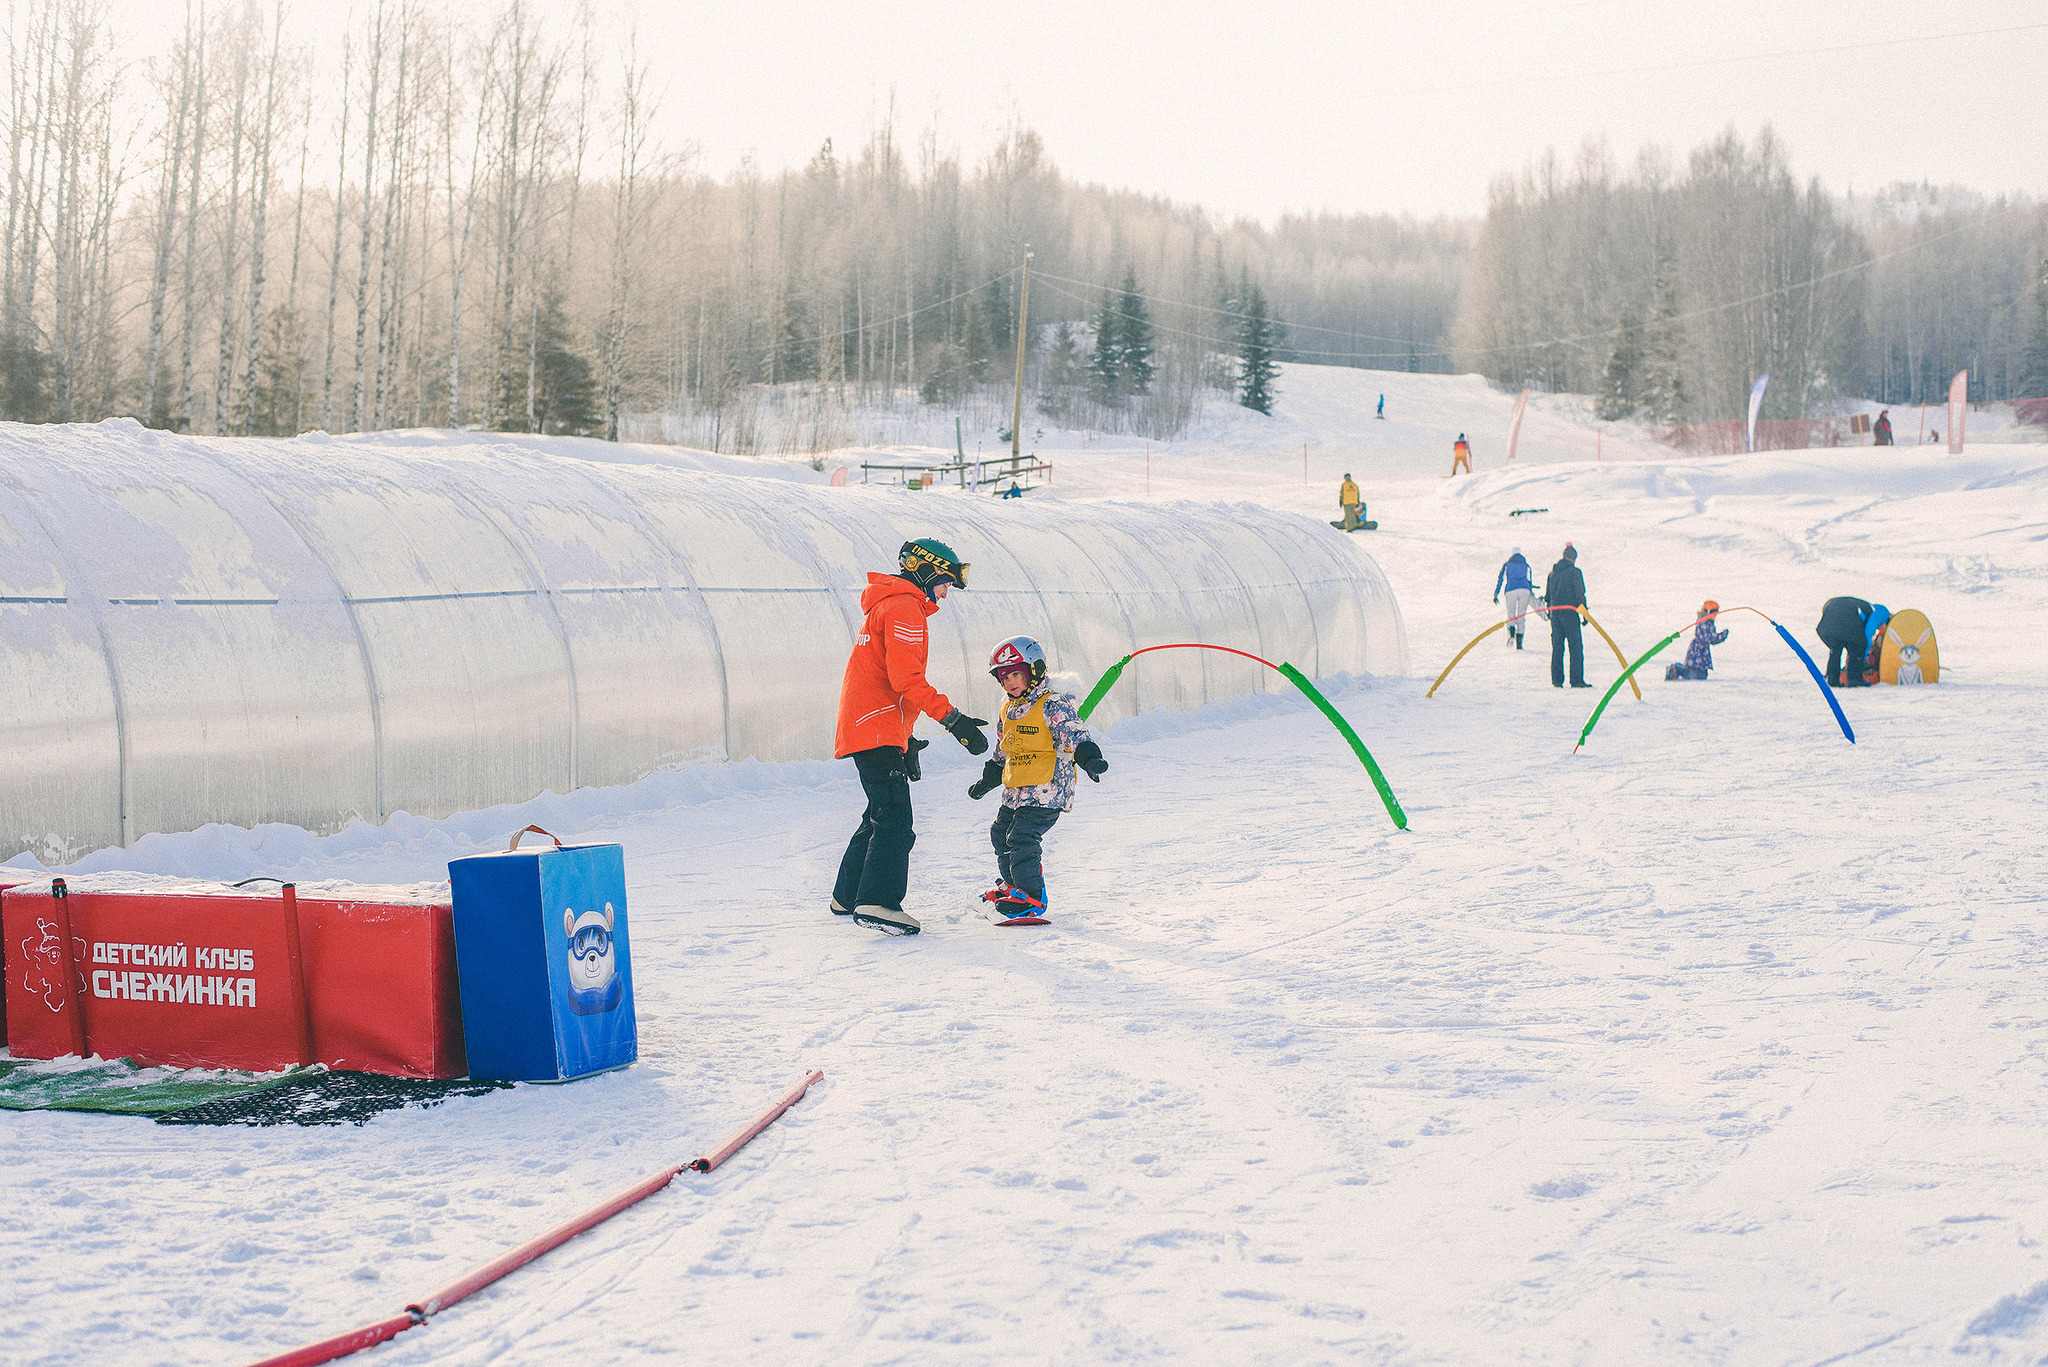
213 630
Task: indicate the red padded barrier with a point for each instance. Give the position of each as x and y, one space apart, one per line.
204 978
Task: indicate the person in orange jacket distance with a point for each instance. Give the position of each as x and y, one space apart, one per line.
1461 454
879 698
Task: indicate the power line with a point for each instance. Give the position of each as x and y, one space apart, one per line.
1226 343
843 333
1226 313
1702 312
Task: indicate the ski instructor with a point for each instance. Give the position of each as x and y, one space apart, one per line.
880 696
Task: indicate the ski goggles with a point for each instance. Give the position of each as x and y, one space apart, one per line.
590 940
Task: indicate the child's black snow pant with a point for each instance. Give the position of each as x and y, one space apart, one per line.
1019 837
875 870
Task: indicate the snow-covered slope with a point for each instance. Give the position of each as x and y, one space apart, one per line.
1716 1043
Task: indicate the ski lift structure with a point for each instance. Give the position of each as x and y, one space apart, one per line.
996 476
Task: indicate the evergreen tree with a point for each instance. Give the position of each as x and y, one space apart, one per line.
565 387
947 379
1105 369
1661 392
1620 387
1255 341
796 347
280 377
1062 370
2035 385
994 332
1135 329
24 376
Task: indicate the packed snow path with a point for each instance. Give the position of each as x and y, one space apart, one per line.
1720 1042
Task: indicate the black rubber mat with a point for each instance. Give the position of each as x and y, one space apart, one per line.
337 1098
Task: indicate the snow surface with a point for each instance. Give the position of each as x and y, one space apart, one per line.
1722 1041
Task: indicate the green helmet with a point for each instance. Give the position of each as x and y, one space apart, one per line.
928 562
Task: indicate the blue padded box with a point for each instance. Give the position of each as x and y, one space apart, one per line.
544 960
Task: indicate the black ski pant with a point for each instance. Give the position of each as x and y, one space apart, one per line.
1844 651
875 870
1019 837
1564 630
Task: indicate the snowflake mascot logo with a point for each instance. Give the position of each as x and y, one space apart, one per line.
594 982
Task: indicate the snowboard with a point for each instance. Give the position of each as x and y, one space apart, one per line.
1361 527
998 918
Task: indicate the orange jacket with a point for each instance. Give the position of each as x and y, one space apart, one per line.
884 688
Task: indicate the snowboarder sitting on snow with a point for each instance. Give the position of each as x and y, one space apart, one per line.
1699 656
1040 743
1515 579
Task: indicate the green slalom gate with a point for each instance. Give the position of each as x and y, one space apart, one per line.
1293 676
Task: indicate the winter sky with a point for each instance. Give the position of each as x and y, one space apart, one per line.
1351 105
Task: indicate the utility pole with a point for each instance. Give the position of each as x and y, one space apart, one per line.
1017 405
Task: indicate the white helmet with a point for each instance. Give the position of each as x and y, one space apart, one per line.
1018 650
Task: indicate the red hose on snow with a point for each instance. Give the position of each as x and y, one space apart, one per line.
419 1311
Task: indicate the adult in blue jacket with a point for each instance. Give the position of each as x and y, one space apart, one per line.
1514 579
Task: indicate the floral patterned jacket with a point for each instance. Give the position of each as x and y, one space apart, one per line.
1700 654
1067 732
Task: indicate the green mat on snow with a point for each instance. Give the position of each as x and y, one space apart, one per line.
219 1096
122 1086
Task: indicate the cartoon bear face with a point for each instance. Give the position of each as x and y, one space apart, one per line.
592 964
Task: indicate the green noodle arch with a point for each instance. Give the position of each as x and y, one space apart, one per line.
1293 676
1811 668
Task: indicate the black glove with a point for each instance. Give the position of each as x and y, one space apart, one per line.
966 730
1088 759
913 770
990 780
1496 598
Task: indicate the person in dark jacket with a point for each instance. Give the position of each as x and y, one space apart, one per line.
1881 435
1841 630
1566 588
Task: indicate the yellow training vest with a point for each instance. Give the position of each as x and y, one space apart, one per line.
1028 748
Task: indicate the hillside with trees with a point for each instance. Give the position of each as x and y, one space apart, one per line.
461 220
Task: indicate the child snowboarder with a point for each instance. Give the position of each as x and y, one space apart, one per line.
1514 579
1699 656
1041 742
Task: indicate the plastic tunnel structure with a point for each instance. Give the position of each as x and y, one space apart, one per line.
313 630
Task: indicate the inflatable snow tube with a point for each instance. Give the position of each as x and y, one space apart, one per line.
310 630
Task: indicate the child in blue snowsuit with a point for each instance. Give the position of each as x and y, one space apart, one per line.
1041 743
1699 656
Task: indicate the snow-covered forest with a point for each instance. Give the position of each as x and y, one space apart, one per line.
464 219
1668 289
458 220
